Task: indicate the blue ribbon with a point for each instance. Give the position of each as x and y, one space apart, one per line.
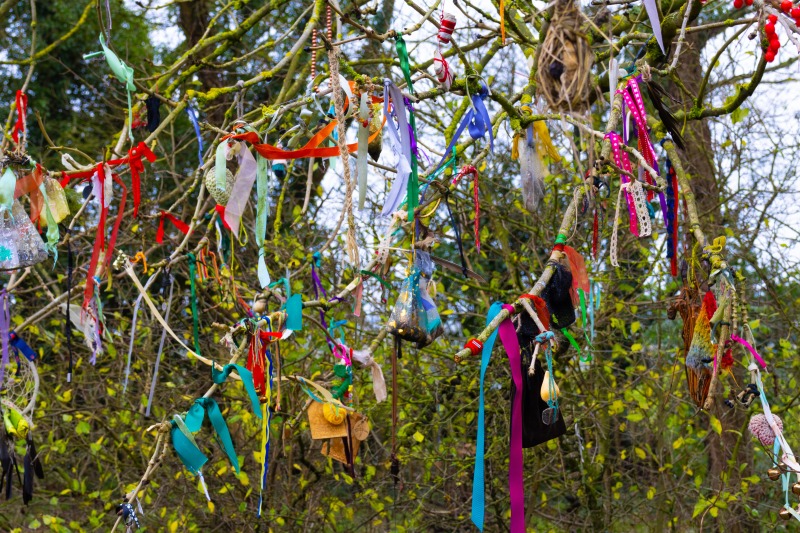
192 112
21 346
478 484
476 120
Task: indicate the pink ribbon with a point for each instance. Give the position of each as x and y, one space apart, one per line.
622 161
750 349
508 335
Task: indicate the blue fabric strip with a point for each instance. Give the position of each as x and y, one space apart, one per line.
478 484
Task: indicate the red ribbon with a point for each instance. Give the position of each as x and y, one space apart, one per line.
99 241
134 162
22 112
136 165
221 212
469 170
178 223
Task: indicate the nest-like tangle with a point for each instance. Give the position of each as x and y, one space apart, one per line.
565 61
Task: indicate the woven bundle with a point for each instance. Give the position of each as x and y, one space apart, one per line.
221 196
565 61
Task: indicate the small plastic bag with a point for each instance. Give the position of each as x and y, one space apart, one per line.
20 243
414 317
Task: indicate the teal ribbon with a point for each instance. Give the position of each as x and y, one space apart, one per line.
413 180
293 306
123 73
194 421
195 315
186 447
219 377
478 483
337 325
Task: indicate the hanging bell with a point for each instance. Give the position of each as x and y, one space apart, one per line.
279 168
447 25
774 473
784 513
444 74
545 392
20 243
796 489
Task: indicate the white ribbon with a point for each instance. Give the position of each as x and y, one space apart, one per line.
364 358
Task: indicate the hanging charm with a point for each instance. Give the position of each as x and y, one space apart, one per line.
443 71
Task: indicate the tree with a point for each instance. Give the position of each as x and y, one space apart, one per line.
637 453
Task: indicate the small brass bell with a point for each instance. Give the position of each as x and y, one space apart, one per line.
796 489
784 513
774 473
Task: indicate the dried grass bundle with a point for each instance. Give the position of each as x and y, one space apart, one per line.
565 61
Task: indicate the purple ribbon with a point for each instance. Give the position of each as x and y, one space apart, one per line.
5 327
516 487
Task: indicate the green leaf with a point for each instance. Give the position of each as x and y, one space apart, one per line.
419 437
739 115
699 507
83 428
716 424
640 453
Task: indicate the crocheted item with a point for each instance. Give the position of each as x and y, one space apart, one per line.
701 353
759 427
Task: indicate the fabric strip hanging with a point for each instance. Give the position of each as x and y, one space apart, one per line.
478 481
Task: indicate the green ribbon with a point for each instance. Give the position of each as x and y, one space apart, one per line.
195 314
413 181
220 166
571 339
376 276
183 441
262 212
123 72
53 235
219 377
561 239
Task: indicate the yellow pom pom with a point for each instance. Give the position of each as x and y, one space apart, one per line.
333 413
